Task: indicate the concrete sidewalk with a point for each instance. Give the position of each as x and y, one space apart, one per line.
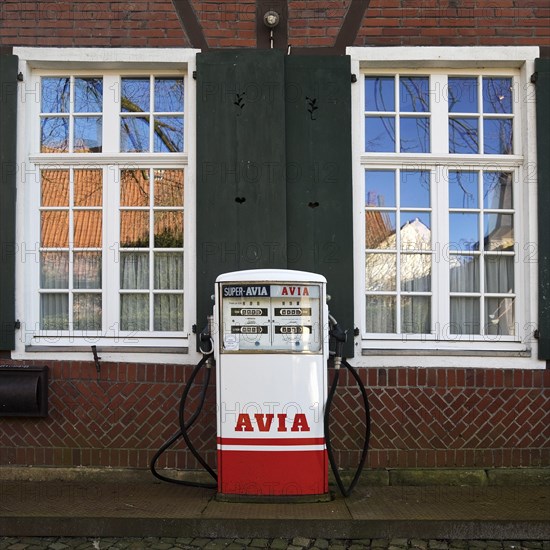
146 507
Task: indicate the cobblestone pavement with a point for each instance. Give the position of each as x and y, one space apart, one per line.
296 543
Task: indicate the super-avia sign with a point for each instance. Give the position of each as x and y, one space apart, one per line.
245 291
266 422
256 291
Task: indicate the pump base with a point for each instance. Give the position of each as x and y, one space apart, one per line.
274 499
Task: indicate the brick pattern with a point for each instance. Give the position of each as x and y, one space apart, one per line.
228 24
102 23
455 23
311 23
420 418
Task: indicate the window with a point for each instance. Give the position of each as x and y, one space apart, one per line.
107 206
441 155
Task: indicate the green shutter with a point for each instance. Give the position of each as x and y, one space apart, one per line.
542 68
319 176
241 198
8 133
274 183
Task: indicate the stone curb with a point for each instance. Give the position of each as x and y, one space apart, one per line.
373 478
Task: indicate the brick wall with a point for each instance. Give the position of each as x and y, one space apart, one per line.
420 418
311 23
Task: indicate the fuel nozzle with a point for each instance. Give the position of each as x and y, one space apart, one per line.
340 336
206 336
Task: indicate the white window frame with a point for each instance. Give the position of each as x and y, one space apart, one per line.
112 64
405 349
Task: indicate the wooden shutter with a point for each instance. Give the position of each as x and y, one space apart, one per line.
542 68
319 176
8 166
241 194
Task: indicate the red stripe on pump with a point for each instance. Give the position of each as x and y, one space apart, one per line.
283 441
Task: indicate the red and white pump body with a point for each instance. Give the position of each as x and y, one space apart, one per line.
271 351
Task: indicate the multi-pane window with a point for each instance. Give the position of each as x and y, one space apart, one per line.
440 215
151 115
397 114
151 246
111 225
71 115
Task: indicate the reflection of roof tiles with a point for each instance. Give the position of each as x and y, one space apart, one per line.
379 228
88 193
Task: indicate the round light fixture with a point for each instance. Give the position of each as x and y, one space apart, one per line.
271 19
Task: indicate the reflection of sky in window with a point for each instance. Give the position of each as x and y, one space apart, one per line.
380 134
54 135
55 94
169 95
135 94
168 137
379 93
415 188
497 136
497 95
414 94
411 217
88 134
380 188
415 135
463 231
497 190
463 189
462 95
463 135
88 95
134 134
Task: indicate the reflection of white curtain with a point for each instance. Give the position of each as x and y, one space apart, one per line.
499 312
381 314
168 275
168 313
415 314
54 311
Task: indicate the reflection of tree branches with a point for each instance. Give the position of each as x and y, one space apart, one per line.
159 127
380 103
421 143
467 195
55 130
413 87
466 132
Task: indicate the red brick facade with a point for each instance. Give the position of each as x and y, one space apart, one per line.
420 417
311 23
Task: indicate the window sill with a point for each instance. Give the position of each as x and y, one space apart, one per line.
107 349
444 352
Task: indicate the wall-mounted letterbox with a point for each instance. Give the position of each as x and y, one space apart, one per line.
23 391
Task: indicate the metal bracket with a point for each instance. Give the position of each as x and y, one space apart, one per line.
96 360
534 78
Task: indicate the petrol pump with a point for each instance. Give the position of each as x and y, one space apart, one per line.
271 352
269 340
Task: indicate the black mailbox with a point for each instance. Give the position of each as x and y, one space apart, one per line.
23 391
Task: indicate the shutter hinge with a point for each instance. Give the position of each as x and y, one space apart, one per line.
353 78
17 324
20 77
356 331
536 334
534 77
194 329
194 75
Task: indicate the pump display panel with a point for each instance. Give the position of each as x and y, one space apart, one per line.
271 317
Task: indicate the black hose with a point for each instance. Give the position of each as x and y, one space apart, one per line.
186 426
346 492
